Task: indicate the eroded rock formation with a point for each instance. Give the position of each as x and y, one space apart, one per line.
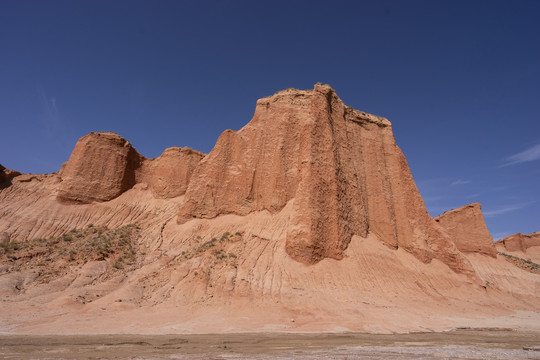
519 242
467 229
104 165
101 167
308 179
341 167
168 175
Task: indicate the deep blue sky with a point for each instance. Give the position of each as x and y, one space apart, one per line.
459 80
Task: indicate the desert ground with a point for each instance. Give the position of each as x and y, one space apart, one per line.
487 343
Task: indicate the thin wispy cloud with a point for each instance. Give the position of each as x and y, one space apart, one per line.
505 209
50 112
55 125
460 182
500 235
431 182
488 191
530 154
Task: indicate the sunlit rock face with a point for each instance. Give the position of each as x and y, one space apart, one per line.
467 229
341 168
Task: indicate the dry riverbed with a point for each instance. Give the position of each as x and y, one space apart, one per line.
459 344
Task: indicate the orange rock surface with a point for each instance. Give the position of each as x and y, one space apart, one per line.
467 229
169 174
340 167
306 219
101 167
104 165
520 242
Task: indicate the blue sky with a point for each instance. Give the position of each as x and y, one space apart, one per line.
459 80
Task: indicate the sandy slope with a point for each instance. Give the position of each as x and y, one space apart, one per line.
373 289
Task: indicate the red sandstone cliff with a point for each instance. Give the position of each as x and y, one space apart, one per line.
519 242
169 174
341 168
101 167
467 229
104 165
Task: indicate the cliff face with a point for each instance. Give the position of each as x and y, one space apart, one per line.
339 166
467 229
519 242
104 165
169 174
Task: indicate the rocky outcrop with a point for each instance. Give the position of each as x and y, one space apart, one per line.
519 242
6 175
168 175
339 166
467 229
101 167
104 165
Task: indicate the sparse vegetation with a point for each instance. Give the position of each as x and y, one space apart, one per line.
118 264
217 248
54 255
524 264
8 247
67 237
205 246
219 254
